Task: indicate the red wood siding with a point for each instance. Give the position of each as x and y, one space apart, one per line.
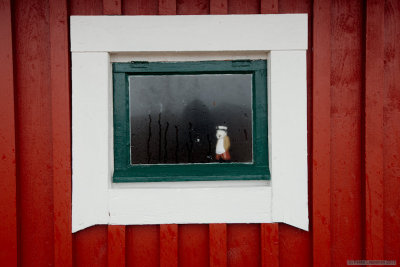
391 131
354 144
8 189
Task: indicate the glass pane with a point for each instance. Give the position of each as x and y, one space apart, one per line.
200 118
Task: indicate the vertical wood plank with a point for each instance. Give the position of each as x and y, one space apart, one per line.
218 7
346 130
193 245
244 6
33 132
169 245
112 7
218 245
244 245
374 88
192 7
116 245
115 233
167 7
391 119
293 247
269 7
321 198
8 191
90 247
294 244
143 245
269 244
140 7
61 129
86 7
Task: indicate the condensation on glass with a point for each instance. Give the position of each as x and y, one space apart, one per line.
174 118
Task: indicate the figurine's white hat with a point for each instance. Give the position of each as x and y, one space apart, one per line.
221 127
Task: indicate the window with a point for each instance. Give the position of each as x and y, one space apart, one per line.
190 121
97 42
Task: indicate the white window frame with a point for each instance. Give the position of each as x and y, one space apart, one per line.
97 41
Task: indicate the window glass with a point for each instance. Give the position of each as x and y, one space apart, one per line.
177 118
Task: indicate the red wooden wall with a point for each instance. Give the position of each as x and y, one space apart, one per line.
354 144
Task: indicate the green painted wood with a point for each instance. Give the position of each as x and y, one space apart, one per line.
124 171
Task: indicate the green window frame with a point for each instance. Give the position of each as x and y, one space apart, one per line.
124 171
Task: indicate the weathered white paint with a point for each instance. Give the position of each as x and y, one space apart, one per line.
96 200
190 205
288 136
188 33
90 135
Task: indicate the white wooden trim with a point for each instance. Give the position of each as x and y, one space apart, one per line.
90 135
189 33
190 205
288 135
96 200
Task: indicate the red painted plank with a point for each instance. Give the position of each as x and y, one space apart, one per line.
244 245
218 7
391 143
193 245
294 247
321 171
244 6
167 7
90 247
61 128
140 7
116 245
34 132
143 245
192 7
269 244
112 7
346 147
269 6
218 245
293 6
116 233
169 245
86 7
8 190
294 244
374 86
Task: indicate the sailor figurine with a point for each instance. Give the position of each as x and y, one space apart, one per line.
223 144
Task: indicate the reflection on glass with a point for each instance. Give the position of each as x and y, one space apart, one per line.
182 118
